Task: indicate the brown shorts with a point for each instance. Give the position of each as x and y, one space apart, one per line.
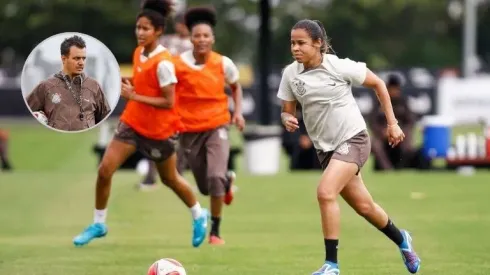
355 150
207 155
156 150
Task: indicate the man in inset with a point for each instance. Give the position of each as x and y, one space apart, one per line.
70 100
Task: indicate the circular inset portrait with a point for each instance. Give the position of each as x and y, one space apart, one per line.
71 82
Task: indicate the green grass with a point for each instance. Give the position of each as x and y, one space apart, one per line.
273 228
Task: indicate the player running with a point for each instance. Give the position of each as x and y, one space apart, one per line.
176 44
203 107
148 124
322 84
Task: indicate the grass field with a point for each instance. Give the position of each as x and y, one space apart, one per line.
272 228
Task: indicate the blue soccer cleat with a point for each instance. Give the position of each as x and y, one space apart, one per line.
328 268
200 226
95 230
410 258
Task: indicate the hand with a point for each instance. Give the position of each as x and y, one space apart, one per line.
127 90
395 135
238 121
289 122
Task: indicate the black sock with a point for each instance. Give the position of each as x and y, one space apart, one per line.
331 247
215 221
392 232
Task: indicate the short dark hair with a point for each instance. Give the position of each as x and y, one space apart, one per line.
156 11
75 40
315 30
200 15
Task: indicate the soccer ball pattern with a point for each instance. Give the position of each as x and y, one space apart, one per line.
166 266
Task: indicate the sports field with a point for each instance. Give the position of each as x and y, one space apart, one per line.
273 227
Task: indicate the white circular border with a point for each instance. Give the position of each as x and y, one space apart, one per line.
84 36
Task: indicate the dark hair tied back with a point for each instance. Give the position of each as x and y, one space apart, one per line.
157 11
315 30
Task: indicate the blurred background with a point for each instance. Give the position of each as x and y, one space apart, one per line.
433 55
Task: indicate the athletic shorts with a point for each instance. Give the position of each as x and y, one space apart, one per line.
355 150
156 150
207 154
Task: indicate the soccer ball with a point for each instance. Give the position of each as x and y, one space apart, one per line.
41 117
166 266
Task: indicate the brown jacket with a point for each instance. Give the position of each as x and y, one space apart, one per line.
53 97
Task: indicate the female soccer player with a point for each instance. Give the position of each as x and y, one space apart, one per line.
203 108
322 84
176 44
147 124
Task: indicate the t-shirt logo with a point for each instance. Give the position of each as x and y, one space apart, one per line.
343 149
56 98
300 86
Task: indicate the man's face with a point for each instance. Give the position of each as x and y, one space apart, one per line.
74 63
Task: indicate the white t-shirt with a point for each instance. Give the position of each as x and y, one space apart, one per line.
231 71
330 112
165 69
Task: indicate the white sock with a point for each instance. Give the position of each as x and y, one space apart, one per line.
100 215
196 211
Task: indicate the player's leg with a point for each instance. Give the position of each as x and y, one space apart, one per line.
169 175
181 160
217 153
336 175
6 166
358 197
345 162
115 155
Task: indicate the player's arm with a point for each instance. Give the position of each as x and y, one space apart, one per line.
232 76
288 103
372 81
237 95
358 74
166 80
164 101
394 132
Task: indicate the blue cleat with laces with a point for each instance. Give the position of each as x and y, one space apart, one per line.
410 258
